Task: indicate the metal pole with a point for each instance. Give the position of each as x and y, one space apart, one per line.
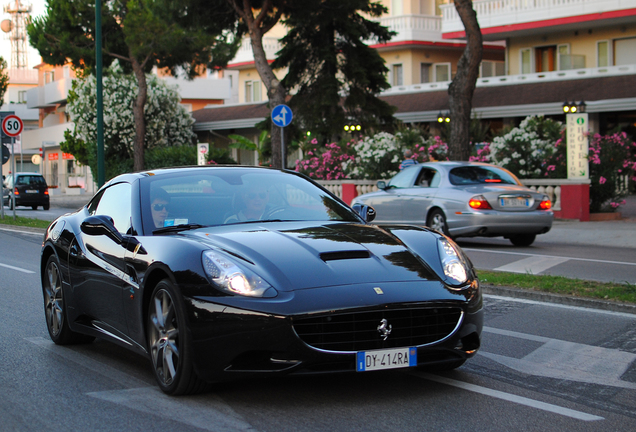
14 177
101 173
282 147
1 189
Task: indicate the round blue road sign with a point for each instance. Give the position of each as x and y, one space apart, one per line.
282 115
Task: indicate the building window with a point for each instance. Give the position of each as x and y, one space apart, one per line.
398 78
441 72
22 96
525 59
425 72
492 69
252 91
49 77
438 3
625 51
603 54
545 58
67 71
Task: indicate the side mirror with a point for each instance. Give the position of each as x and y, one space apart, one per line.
381 184
101 225
366 212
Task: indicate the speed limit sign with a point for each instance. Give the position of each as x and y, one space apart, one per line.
12 125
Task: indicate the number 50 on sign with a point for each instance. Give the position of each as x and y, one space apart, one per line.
12 125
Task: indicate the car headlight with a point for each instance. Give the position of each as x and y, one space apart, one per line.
453 262
234 278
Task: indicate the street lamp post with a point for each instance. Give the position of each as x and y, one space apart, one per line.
101 175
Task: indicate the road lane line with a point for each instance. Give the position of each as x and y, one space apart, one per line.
21 232
562 306
532 265
16 268
509 397
550 256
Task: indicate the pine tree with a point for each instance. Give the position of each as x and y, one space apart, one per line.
335 74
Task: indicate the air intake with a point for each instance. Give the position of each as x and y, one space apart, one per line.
344 255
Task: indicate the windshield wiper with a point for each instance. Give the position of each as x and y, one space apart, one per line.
178 228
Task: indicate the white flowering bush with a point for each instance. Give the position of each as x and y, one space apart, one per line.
525 149
168 123
376 157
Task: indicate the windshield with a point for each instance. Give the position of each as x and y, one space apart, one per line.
224 196
468 175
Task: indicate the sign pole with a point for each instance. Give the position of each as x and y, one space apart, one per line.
14 177
1 192
282 145
282 116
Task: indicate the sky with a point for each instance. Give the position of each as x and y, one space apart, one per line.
39 7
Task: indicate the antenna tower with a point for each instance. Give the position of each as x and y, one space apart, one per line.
16 27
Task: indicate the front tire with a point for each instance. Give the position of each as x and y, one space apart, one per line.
437 221
55 307
522 239
169 344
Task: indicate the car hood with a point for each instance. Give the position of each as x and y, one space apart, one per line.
301 255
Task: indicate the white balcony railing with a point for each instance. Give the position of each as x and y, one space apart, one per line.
413 27
505 80
495 13
244 54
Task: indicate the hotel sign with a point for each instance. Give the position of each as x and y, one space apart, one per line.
578 146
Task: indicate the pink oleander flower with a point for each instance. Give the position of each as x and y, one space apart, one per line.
602 180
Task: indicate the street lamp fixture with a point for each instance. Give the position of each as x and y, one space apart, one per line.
352 128
443 118
573 107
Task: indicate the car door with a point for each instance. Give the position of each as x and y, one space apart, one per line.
388 203
417 199
100 272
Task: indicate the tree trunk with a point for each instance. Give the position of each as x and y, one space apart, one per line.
276 93
460 91
138 114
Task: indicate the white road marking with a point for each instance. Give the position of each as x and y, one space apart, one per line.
509 397
570 361
549 256
208 413
16 268
532 265
21 232
562 306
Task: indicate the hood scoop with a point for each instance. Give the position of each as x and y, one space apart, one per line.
344 255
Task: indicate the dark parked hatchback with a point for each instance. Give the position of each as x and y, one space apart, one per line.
30 190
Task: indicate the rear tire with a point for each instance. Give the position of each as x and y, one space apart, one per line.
169 342
522 239
437 221
55 307
46 206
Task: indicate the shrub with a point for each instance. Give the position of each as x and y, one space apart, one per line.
376 157
325 163
612 161
525 149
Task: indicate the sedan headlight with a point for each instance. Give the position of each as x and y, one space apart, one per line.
234 278
453 262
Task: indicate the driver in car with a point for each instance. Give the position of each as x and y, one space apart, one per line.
254 205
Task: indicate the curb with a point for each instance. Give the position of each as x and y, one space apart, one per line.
17 228
559 299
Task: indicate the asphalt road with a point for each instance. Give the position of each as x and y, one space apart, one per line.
542 367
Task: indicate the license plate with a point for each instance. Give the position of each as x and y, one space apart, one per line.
31 191
514 202
386 359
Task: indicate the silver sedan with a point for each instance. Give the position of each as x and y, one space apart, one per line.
462 199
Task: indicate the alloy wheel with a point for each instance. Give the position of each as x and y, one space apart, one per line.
53 299
164 337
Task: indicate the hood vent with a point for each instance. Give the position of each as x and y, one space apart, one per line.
344 255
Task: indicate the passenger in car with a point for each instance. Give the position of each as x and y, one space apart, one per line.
160 200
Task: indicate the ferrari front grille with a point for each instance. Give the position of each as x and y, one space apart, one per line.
378 329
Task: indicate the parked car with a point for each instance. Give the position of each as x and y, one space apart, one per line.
30 190
217 273
463 199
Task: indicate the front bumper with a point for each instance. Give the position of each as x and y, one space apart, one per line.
231 342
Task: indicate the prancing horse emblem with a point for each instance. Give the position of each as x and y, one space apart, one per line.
384 329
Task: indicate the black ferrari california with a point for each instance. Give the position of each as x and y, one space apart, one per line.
217 273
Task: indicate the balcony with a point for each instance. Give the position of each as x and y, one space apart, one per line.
244 55
414 28
499 19
201 88
50 94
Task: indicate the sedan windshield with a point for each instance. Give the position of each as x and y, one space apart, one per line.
224 196
469 175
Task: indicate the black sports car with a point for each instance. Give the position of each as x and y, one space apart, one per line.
223 272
